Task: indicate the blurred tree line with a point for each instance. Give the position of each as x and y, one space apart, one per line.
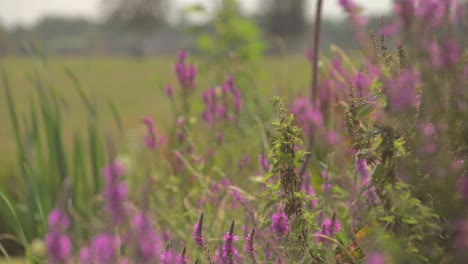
140 27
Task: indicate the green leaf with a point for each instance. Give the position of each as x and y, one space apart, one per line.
388 218
399 145
363 111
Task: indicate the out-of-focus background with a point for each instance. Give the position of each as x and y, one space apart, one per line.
155 27
122 51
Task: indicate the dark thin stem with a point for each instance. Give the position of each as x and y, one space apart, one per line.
318 22
313 94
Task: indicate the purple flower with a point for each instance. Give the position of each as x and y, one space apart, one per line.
375 258
150 139
85 256
58 244
326 186
113 171
181 56
452 52
228 252
244 162
401 90
222 103
363 171
332 138
431 11
237 198
362 83
457 165
308 116
58 220
114 195
104 249
329 228
185 73
279 224
389 30
169 90
332 226
148 243
348 5
263 161
249 243
197 232
171 257
59 247
114 192
445 55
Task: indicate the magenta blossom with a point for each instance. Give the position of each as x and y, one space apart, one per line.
114 191
185 73
103 249
197 232
227 254
375 258
308 116
148 243
279 224
401 90
58 244
329 228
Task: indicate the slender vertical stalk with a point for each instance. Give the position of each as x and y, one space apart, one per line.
314 81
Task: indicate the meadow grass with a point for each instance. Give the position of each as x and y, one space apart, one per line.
134 86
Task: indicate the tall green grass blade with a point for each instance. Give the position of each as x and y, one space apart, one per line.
13 116
37 198
95 158
80 179
4 252
18 227
18 140
117 119
79 89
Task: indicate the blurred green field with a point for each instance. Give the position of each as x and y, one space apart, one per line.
13 261
135 86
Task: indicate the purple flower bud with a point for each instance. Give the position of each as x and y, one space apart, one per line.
362 170
401 90
113 171
329 228
85 256
58 220
249 244
263 161
279 224
181 56
59 247
375 258
104 248
197 232
332 138
229 251
148 243
362 83
169 90
348 5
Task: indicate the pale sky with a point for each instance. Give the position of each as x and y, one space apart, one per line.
28 11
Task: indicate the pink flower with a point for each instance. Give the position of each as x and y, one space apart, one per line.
279 224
